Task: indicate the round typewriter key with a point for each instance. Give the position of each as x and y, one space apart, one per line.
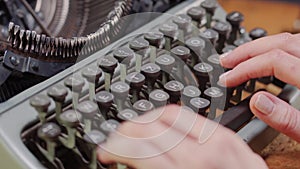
166 62
74 83
188 93
49 131
174 89
215 95
159 98
214 60
41 104
139 44
228 48
241 41
94 137
104 100
235 18
126 115
70 118
154 38
211 35
58 93
109 126
183 21
257 33
108 64
210 7
223 28
181 52
123 55
196 44
202 71
92 74
200 105
120 90
169 29
143 106
136 81
151 71
88 109
196 13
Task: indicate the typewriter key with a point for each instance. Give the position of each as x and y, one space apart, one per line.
75 84
196 45
136 81
184 22
104 100
166 63
50 133
124 56
228 48
197 14
188 93
58 93
174 89
93 139
143 106
92 75
155 39
151 71
257 33
241 41
199 105
235 19
210 7
223 29
88 110
41 104
170 31
120 90
126 115
215 95
202 71
108 64
71 120
159 98
140 46
211 35
109 126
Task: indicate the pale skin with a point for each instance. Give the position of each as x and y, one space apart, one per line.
277 55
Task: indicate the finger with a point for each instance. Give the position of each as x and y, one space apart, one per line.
277 113
276 62
284 41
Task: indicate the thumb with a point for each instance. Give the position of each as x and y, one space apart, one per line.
277 113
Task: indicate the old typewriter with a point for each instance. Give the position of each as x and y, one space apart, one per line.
129 65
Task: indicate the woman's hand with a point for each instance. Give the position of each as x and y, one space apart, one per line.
277 55
174 137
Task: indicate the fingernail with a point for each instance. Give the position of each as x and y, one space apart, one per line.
222 78
264 104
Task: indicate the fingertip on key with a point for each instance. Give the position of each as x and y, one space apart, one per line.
223 58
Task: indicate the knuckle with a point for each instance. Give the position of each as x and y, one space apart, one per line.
288 120
128 128
286 36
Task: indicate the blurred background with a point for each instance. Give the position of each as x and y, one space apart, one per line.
274 15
